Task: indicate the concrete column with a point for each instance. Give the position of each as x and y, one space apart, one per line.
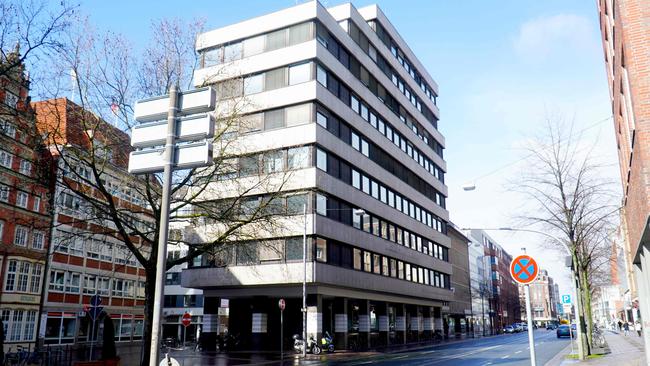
341 323
427 323
400 323
315 317
381 310
437 321
259 323
364 324
210 323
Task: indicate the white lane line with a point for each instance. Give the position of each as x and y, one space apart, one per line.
504 357
397 358
518 352
425 352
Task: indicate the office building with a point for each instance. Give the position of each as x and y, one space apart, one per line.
86 256
336 98
458 321
505 306
481 287
626 40
542 305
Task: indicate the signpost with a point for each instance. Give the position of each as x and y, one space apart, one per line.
186 320
195 132
281 305
93 312
524 270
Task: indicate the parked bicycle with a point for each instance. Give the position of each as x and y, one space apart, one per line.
597 338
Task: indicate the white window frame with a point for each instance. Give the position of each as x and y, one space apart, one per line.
22 199
21 235
38 240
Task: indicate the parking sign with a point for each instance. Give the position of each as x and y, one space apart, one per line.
566 299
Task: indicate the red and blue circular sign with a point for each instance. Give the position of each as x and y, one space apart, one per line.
524 269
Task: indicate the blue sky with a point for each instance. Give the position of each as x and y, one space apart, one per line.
501 66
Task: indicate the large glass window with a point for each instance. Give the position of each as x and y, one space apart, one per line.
321 205
367 261
273 162
276 40
298 157
321 75
299 73
298 115
321 250
232 52
254 84
249 165
296 204
321 159
273 119
294 249
300 33
357 259
275 79
254 46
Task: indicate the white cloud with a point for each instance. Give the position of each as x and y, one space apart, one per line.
542 37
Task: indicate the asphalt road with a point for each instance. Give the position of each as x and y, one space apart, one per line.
509 349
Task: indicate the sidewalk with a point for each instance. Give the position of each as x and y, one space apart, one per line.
625 351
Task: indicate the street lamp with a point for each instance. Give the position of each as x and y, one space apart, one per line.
574 279
355 211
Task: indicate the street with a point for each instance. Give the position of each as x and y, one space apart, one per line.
507 349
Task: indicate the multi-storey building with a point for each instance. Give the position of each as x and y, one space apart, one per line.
24 208
626 41
481 287
505 304
460 308
338 98
542 306
87 258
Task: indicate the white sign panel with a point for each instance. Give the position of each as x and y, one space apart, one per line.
191 128
567 308
186 157
191 102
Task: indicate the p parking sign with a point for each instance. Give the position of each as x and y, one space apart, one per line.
566 299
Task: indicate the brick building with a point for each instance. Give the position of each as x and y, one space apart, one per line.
460 307
24 222
87 257
626 43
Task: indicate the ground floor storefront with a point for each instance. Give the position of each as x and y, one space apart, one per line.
355 323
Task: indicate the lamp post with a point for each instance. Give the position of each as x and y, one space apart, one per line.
355 211
574 279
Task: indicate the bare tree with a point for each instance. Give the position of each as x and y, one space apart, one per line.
569 197
228 203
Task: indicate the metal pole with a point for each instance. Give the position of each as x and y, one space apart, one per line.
164 225
304 281
184 337
281 335
570 333
531 336
92 328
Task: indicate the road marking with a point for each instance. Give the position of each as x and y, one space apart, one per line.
504 357
397 358
425 352
518 352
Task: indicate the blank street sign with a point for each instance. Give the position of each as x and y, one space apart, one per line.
187 156
190 128
191 102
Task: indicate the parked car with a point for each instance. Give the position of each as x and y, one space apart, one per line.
551 326
508 329
563 331
524 326
517 327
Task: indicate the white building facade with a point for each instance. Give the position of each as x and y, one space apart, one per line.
337 99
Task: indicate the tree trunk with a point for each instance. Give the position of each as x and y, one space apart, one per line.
586 304
150 291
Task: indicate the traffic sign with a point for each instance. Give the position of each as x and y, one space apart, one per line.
95 300
168 361
524 269
94 312
281 304
566 299
186 320
567 308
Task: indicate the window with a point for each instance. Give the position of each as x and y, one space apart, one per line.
275 79
376 264
57 280
393 268
321 250
254 46
37 204
72 282
90 284
11 99
254 84
276 40
232 52
321 75
118 287
298 157
106 252
5 159
356 255
25 167
10 282
321 204
273 162
4 193
299 73
274 119
22 199
354 103
60 329
7 129
300 33
321 119
249 165
367 261
356 179
251 122
298 115
38 240
321 159
294 249
20 237
296 204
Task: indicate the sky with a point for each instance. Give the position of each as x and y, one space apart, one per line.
501 66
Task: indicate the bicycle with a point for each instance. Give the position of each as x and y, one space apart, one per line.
597 338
